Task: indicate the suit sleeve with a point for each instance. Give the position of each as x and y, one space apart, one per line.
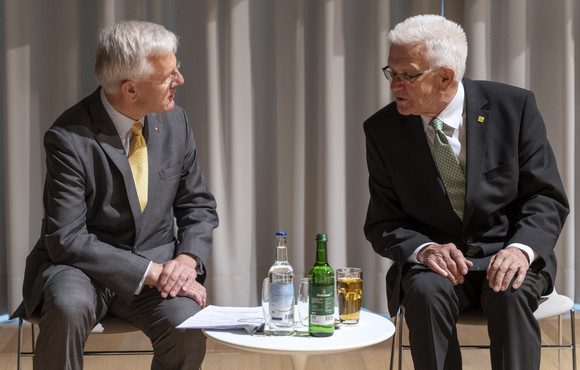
194 206
391 232
541 205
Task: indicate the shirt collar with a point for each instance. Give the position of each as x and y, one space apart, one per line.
452 115
122 123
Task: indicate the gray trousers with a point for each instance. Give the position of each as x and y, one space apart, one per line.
432 306
73 304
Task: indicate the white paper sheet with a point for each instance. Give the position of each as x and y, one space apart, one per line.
216 317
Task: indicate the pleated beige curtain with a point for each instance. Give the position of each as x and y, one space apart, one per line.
276 92
288 152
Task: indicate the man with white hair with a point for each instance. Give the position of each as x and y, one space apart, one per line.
122 170
466 199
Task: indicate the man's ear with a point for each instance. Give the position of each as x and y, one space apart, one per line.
447 75
129 90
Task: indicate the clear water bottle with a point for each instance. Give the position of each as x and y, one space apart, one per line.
281 278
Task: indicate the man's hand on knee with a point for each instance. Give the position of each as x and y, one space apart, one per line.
446 260
177 277
504 265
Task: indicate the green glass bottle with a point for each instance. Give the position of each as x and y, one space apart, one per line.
321 293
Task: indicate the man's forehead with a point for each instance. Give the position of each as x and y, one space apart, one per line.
162 59
406 54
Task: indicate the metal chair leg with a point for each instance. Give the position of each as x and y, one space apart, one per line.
393 342
560 342
401 326
19 360
573 332
33 339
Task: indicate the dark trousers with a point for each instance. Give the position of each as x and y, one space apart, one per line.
73 304
432 306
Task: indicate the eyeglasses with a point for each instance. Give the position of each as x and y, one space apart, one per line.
402 77
171 80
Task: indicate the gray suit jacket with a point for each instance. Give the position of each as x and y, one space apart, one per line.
93 221
513 189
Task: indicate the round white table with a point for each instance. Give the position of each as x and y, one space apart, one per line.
370 330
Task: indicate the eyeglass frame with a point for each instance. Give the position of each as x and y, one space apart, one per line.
173 83
407 78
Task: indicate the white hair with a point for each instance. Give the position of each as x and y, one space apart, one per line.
123 51
444 40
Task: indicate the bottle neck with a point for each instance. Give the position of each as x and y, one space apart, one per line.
281 253
281 250
321 257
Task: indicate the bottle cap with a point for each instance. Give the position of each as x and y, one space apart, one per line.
321 238
283 233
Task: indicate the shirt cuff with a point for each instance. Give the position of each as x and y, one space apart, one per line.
140 287
199 268
413 257
532 255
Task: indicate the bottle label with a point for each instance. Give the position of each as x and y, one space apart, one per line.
281 302
322 305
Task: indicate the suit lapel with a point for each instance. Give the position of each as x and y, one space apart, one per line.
109 140
415 143
154 147
477 125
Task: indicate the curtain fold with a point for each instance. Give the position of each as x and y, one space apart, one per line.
276 93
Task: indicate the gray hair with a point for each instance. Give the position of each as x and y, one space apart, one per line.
445 41
123 50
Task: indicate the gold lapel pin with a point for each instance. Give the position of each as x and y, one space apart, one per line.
480 119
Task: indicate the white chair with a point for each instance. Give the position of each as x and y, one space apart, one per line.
551 305
109 325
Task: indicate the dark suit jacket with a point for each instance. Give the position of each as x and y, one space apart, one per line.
513 189
93 221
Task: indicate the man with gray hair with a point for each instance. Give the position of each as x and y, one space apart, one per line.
466 199
128 217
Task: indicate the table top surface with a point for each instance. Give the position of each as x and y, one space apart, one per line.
371 329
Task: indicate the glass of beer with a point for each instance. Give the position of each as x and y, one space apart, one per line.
349 293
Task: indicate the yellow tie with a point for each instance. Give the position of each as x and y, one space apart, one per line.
138 163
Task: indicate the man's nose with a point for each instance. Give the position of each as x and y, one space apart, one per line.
396 84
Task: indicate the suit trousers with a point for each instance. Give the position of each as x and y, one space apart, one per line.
73 304
432 307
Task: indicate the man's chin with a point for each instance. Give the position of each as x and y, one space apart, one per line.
167 107
403 110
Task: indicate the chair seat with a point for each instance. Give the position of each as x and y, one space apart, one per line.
109 325
113 325
551 305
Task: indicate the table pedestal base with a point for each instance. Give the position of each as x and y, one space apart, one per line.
299 361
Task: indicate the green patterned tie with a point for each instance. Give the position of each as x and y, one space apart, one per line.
138 163
449 168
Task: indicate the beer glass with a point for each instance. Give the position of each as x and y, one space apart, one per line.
349 293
